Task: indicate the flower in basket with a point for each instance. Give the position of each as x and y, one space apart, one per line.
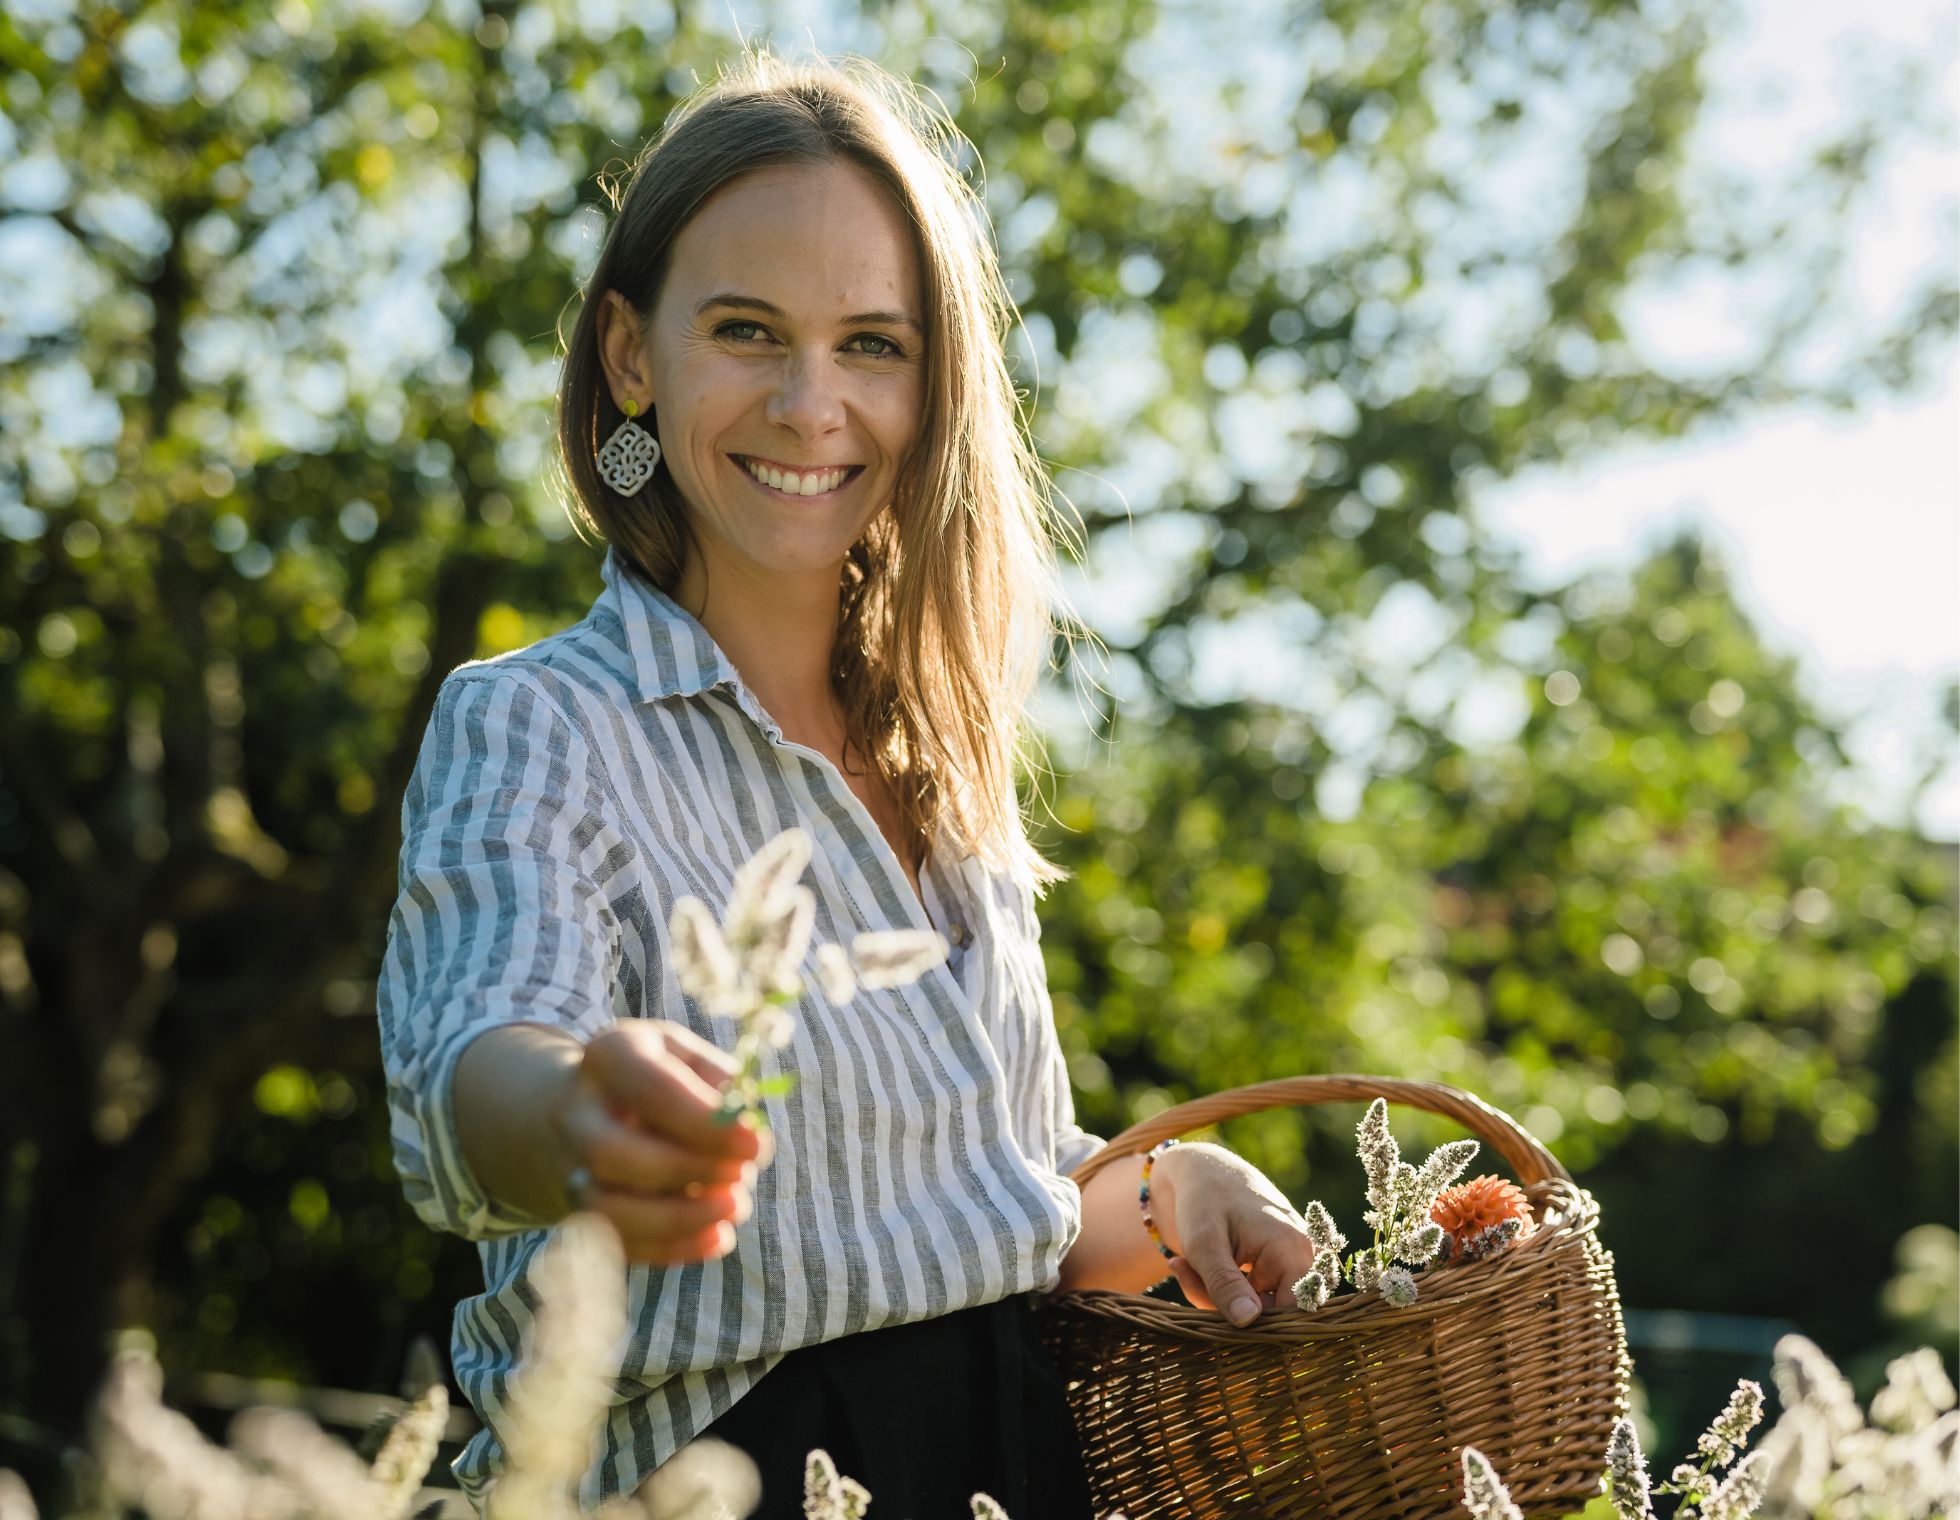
748 966
1481 1217
1400 1197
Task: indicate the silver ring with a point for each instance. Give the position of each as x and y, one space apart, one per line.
578 1182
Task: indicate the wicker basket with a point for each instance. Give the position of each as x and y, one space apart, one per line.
1359 1411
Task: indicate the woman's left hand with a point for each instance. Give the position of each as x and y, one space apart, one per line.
1240 1244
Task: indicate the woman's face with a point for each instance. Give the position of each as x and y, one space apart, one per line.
784 364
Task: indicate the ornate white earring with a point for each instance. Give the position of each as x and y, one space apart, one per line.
629 455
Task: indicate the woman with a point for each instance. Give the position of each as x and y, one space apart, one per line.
826 597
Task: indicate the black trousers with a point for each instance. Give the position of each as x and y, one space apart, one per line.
923 1415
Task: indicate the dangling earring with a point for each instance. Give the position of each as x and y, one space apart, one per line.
629 455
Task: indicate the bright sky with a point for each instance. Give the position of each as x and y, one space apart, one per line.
1842 533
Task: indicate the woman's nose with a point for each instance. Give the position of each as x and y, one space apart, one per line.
808 398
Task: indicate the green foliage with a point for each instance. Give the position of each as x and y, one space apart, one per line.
1639 916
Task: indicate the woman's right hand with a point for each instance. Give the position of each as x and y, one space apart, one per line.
641 1114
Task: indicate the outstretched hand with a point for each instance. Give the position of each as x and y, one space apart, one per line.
643 1115
1240 1244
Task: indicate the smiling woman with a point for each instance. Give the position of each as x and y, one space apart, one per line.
828 587
783 431
793 286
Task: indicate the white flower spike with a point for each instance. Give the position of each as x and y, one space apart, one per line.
835 976
782 939
1739 1493
827 1493
1725 1437
1398 1287
1312 1291
1445 1164
894 957
1380 1155
703 963
1484 1495
761 883
1627 1484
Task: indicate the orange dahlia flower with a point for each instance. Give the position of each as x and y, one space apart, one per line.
1469 1212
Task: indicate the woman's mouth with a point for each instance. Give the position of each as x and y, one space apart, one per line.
801 481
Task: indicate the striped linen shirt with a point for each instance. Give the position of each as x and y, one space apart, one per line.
565 796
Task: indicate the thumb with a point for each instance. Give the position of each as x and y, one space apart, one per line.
1209 1257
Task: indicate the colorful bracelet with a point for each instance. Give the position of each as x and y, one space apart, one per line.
1143 1195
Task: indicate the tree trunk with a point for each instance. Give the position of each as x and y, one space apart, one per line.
82 1278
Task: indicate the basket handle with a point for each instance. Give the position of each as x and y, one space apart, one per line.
1527 1157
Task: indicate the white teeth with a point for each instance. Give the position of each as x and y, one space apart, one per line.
815 483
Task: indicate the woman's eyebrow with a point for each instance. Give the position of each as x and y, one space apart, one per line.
729 298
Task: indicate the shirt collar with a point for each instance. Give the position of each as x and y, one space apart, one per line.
673 655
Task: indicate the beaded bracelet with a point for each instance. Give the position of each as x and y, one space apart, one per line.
1143 1195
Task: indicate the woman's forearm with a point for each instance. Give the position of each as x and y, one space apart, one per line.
508 1082
1114 1250
1240 1244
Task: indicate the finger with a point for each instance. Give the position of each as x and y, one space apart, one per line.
670 1098
1192 1284
664 1220
626 1157
760 1162
1278 1261
619 1152
711 1063
708 1245
1224 1281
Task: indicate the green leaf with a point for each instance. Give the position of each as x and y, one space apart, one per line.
775 1087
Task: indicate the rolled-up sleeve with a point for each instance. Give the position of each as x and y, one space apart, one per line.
502 917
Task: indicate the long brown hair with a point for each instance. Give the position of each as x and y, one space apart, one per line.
949 601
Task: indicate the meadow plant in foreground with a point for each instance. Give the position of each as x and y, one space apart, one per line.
1702 1492
1824 1458
1821 1461
280 1464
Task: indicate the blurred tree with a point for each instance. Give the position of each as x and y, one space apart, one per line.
274 446
1639 915
262 500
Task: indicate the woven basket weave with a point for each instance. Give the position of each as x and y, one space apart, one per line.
1358 1411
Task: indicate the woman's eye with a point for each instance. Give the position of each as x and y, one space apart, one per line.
886 348
741 332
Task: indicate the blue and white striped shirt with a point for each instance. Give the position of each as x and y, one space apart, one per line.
565 796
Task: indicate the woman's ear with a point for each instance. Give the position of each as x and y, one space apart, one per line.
623 351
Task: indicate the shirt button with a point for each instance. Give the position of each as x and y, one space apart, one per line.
958 936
